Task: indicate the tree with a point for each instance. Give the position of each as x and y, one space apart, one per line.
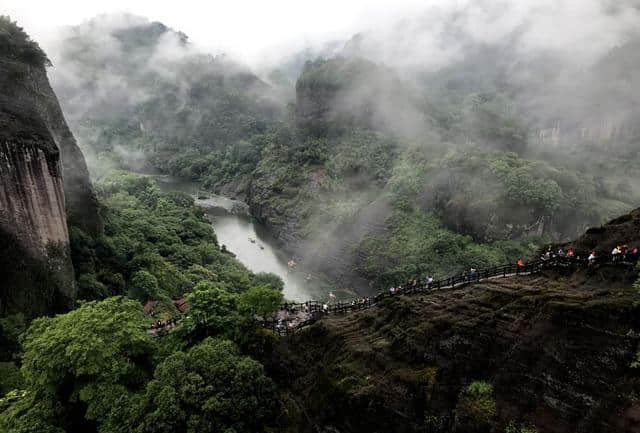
81 366
15 44
212 311
210 388
143 286
268 279
261 300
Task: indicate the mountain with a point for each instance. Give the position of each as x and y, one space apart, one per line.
379 161
45 183
141 92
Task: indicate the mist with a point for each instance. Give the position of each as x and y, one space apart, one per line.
506 120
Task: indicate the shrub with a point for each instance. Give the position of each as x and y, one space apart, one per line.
476 401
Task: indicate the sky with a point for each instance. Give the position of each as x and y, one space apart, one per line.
258 32
244 28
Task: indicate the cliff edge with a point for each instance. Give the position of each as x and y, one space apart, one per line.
43 177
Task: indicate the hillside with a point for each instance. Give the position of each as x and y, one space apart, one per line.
400 181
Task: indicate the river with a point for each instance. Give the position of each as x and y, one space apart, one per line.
246 238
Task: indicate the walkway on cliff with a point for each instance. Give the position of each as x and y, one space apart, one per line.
295 316
292 317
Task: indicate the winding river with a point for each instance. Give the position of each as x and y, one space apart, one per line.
243 236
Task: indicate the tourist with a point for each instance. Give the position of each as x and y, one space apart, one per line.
592 258
616 254
624 249
571 254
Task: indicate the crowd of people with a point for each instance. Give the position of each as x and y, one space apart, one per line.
621 253
160 326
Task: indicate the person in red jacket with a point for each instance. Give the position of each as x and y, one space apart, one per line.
520 264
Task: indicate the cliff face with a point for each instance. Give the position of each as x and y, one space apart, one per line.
41 168
28 90
558 354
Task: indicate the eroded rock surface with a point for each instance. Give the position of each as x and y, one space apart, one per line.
43 179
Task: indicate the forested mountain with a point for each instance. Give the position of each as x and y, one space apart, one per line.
138 89
491 149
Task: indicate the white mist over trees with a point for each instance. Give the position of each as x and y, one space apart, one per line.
494 121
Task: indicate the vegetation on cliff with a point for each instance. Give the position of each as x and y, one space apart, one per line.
503 356
16 45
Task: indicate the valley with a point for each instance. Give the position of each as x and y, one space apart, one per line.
454 188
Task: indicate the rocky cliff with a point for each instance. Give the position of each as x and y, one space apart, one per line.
44 178
558 356
554 352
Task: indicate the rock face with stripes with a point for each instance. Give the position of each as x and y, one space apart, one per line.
555 350
43 174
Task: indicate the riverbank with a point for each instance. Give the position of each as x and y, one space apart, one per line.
251 242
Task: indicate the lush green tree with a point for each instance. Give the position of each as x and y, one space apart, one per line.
143 286
148 232
210 388
212 311
80 366
268 279
261 300
90 288
23 412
